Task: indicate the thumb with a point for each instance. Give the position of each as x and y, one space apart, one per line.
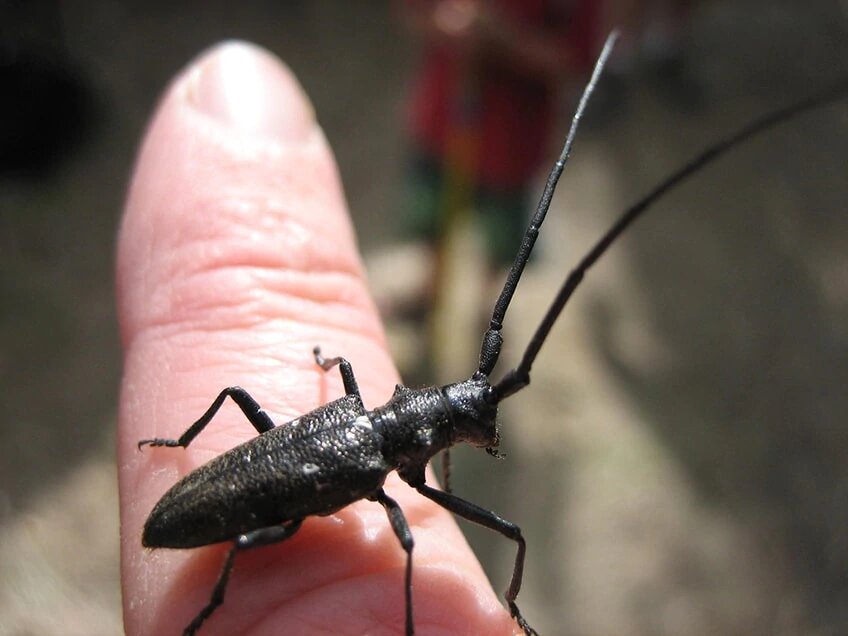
236 257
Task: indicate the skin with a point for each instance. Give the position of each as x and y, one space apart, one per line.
235 257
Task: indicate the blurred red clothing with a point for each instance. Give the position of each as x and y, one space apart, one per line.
508 114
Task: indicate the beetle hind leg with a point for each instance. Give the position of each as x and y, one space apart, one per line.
254 539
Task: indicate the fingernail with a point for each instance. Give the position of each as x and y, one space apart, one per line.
247 88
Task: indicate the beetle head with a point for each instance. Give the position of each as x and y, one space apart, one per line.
474 410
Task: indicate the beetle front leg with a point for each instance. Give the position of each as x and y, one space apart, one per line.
350 385
255 539
404 534
260 419
488 519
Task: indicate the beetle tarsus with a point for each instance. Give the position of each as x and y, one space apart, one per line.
516 614
159 442
350 384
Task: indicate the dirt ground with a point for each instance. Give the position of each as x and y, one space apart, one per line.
678 464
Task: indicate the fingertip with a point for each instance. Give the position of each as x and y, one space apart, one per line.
249 89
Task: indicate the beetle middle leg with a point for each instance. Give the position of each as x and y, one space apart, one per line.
261 421
404 534
488 519
254 539
350 385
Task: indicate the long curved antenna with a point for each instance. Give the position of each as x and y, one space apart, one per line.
492 339
519 377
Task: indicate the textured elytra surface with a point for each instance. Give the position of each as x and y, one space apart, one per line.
313 465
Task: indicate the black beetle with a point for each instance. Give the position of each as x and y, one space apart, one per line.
259 492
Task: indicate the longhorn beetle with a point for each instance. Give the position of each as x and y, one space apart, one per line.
260 492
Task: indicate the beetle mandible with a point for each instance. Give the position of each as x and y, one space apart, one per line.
341 452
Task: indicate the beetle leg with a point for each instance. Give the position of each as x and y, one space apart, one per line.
350 385
446 471
488 519
254 539
404 534
261 421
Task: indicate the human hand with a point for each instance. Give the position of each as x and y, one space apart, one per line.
235 258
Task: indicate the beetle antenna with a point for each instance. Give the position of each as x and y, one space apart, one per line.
519 377
493 339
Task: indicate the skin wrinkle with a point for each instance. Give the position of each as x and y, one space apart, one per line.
388 622
254 188
281 279
337 294
301 302
337 581
226 211
268 230
296 363
168 282
320 382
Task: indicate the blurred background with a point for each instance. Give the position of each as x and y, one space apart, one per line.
679 464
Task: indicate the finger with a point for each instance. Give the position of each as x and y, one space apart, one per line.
235 258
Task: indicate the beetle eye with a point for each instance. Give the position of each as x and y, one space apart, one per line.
490 396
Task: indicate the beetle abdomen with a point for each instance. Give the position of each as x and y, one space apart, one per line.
279 476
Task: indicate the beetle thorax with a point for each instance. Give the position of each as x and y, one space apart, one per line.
416 424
